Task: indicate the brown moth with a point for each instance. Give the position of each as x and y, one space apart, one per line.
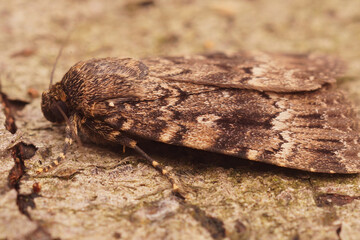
280 109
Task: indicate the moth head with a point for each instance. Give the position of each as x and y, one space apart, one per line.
53 104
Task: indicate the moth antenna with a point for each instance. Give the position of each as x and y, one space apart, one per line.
58 57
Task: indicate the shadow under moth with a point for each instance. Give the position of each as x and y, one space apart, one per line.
281 109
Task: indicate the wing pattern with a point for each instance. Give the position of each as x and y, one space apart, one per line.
276 108
315 131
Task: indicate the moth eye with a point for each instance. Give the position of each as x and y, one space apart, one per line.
46 103
51 108
56 109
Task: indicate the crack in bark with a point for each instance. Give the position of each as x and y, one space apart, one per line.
20 152
9 119
213 225
338 232
334 199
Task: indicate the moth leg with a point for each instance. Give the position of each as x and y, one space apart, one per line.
158 167
70 133
119 137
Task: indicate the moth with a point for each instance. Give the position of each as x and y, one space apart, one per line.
281 109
